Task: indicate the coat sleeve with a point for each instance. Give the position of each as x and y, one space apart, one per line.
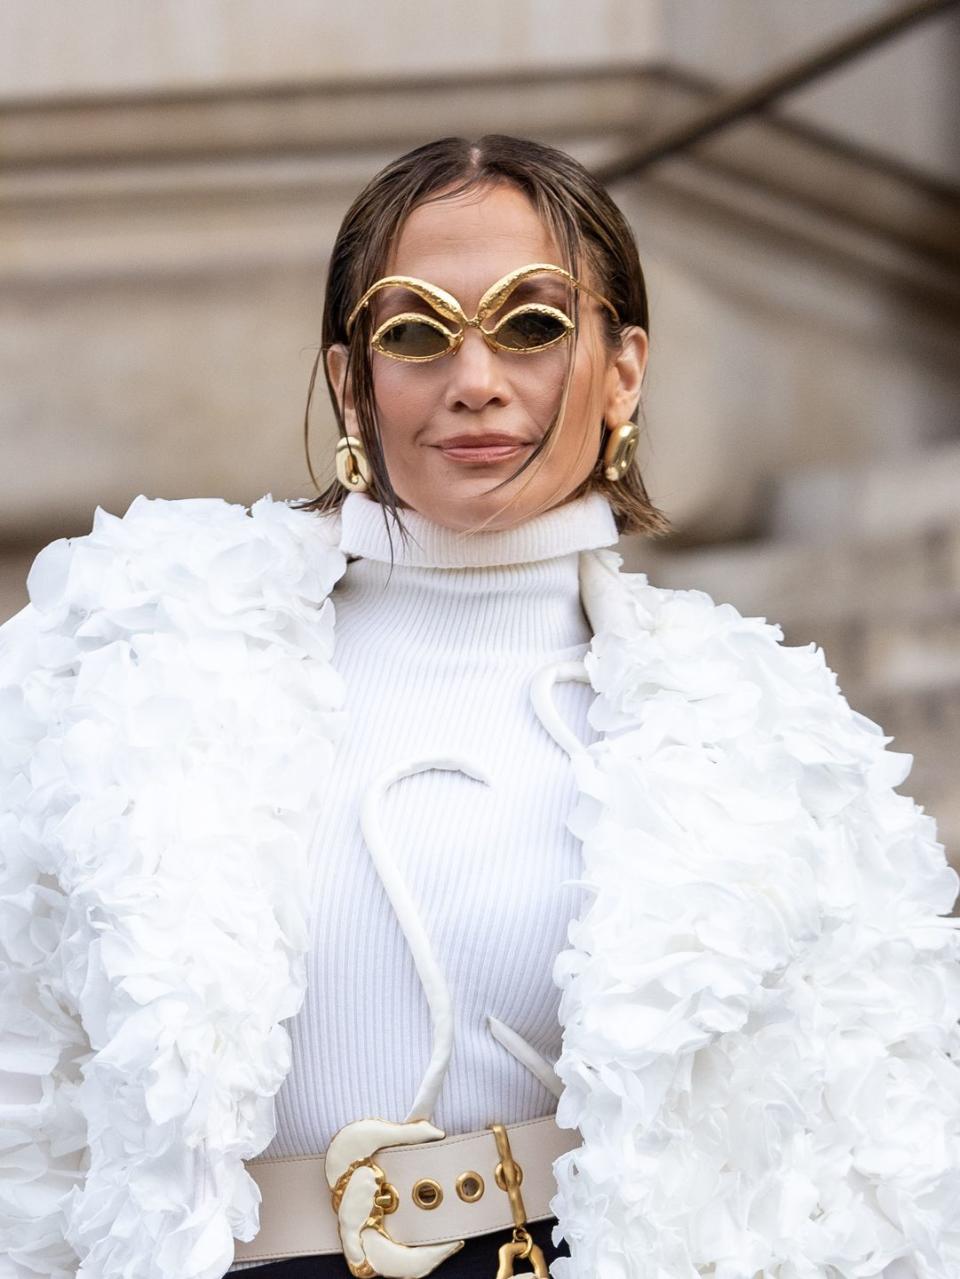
168 706
761 1001
42 1043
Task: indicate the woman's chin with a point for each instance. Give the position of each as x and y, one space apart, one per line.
461 498
465 510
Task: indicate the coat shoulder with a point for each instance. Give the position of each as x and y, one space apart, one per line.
629 601
677 670
194 556
690 625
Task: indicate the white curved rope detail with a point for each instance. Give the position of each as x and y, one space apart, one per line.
434 983
541 695
518 1047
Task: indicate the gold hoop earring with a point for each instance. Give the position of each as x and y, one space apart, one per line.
353 465
620 450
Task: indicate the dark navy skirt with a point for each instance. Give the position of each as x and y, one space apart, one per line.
477 1259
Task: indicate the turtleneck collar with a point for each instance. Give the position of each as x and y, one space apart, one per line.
584 524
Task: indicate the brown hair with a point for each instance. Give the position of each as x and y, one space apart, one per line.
586 224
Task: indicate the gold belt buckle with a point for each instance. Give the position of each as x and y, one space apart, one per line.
362 1196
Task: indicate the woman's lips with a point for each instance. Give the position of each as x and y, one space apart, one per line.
488 451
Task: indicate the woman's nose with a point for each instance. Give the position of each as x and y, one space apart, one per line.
475 373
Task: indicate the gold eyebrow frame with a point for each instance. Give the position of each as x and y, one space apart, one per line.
446 304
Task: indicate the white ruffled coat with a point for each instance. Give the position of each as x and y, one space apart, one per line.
759 1004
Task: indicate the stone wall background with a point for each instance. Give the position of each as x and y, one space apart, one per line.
171 185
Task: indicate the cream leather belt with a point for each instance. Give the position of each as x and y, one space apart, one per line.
432 1192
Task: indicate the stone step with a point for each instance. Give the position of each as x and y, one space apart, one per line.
906 574
875 657
883 498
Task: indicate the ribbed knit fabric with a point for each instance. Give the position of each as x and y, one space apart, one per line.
438 657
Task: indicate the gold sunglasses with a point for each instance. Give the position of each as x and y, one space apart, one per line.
531 327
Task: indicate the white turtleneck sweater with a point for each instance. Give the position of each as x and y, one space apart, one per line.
438 660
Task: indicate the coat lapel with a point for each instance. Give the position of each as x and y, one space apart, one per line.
601 589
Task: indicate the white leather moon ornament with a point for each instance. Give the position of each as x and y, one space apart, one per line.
357 1184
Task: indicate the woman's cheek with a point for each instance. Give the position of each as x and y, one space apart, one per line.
404 400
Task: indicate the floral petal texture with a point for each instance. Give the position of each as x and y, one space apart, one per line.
760 1001
169 711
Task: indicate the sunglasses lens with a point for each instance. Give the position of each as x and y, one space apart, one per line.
412 339
530 330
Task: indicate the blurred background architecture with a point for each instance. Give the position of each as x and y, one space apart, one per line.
173 175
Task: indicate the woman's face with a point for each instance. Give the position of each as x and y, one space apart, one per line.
433 415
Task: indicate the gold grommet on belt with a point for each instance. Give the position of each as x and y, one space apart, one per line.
427 1193
470 1186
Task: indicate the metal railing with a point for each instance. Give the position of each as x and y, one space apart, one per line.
770 87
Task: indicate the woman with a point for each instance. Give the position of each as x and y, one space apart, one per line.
543 866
